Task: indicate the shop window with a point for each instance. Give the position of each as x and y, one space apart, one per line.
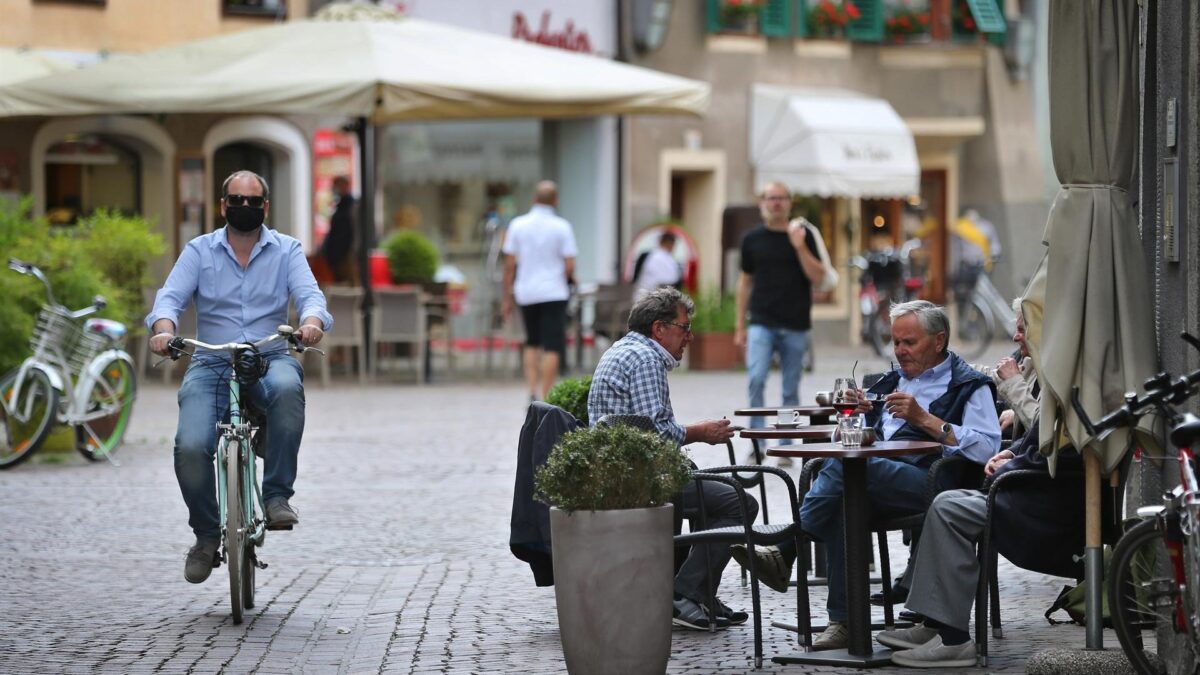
266 8
86 173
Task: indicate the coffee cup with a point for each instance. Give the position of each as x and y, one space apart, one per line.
787 417
824 398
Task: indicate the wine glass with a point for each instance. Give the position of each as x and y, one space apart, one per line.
846 405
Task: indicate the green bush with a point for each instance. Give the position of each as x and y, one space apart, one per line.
77 261
607 468
572 395
412 258
715 313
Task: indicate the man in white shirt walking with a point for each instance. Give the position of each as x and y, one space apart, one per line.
540 260
659 268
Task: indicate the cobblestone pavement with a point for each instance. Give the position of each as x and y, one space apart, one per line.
400 563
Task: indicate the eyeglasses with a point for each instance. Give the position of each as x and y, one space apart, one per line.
777 198
253 201
687 327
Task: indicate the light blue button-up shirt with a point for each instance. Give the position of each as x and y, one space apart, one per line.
979 434
235 304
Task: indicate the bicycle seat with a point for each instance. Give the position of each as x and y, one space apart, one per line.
1185 434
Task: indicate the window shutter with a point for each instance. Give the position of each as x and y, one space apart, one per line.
801 7
868 27
776 18
988 16
712 16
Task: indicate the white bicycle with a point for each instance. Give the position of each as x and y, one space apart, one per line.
78 375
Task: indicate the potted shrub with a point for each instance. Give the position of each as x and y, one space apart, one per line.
828 18
571 395
713 323
740 16
412 258
611 528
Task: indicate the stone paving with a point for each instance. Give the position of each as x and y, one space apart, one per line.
400 564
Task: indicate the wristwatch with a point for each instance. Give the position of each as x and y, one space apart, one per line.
946 430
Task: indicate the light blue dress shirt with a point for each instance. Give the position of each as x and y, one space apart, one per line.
979 434
235 304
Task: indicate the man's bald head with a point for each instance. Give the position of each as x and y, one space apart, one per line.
546 193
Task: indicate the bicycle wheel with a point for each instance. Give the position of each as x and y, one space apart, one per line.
108 407
27 416
235 538
1141 594
974 330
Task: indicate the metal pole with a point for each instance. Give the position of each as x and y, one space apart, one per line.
366 230
1093 558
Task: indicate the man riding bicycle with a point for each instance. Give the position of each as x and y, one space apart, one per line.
241 278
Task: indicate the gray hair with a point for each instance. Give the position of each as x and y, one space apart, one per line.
243 172
932 317
661 304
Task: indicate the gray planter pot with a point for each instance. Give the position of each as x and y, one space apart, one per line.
613 581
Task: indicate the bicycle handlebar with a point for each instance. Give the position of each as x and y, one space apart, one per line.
22 267
1161 391
284 332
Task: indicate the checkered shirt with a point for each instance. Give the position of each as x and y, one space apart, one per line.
631 379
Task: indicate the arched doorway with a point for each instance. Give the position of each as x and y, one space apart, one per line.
126 163
89 172
274 149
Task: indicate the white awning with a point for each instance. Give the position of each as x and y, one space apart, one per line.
831 143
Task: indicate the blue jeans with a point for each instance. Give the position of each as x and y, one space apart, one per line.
204 401
895 488
761 344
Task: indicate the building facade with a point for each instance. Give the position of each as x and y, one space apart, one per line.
964 96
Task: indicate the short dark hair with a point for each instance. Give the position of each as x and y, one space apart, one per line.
661 304
667 237
243 172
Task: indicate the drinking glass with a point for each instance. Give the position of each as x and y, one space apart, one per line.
850 431
845 405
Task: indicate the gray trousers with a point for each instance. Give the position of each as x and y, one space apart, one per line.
946 570
720 506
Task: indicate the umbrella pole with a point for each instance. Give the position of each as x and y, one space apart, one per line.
366 230
1093 556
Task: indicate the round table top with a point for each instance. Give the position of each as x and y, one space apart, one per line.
804 431
879 449
803 410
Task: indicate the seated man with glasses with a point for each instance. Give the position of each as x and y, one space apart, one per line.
241 278
631 379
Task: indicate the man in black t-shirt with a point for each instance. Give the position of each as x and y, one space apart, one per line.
780 265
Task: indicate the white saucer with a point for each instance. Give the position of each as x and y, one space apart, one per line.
786 425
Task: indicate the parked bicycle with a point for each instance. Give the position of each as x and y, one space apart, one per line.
240 441
886 278
77 375
982 313
1154 577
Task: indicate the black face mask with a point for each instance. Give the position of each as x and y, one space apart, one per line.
244 218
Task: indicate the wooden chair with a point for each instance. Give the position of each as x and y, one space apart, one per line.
399 318
345 303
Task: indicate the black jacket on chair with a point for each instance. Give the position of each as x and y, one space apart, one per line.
1038 524
529 529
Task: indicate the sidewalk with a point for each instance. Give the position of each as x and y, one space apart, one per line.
400 564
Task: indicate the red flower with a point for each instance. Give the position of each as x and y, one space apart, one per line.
923 19
851 10
969 23
905 23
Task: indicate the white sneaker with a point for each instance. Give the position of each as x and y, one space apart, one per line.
934 654
907 638
835 636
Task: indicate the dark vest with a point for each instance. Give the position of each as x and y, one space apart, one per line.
964 380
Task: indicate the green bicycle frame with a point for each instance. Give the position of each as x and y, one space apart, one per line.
251 492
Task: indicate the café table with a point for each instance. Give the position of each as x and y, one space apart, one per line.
803 432
856 515
817 414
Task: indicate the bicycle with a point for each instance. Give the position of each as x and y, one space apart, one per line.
982 311
239 496
886 278
1154 578
77 375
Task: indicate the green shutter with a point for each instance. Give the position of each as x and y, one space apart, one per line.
988 17
801 7
776 18
712 16
868 27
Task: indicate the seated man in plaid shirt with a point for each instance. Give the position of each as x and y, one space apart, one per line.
631 379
